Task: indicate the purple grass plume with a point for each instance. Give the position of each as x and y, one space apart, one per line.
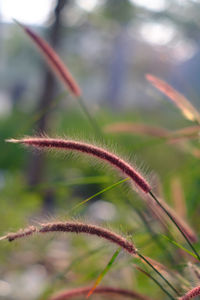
75 227
104 290
91 150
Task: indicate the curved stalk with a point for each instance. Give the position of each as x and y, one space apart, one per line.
176 224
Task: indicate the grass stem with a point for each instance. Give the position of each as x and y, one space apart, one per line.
175 223
156 282
90 117
167 282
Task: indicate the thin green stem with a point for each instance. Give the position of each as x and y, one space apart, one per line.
148 226
90 117
154 235
174 221
157 282
167 282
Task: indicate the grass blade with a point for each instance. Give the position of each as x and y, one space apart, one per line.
104 272
179 246
110 187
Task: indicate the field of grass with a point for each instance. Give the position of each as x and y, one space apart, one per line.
116 233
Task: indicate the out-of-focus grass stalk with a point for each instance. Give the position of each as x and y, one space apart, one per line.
61 71
143 258
176 224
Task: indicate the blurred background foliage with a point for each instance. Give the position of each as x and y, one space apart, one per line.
108 46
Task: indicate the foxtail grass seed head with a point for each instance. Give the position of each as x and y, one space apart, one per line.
53 61
137 129
115 161
76 227
100 153
191 294
104 290
187 109
20 234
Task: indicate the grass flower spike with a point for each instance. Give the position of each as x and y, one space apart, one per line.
138 129
78 228
104 290
53 61
115 161
91 150
75 227
191 294
187 109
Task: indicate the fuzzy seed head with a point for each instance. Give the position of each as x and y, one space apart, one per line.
191 294
53 60
100 153
91 230
75 227
20 234
69 294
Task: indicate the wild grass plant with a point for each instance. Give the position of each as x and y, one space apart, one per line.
153 215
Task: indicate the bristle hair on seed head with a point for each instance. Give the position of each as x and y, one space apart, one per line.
12 141
20 234
191 294
78 227
143 169
53 60
75 227
98 152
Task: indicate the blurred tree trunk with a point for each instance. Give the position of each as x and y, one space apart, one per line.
123 12
49 79
117 69
36 169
